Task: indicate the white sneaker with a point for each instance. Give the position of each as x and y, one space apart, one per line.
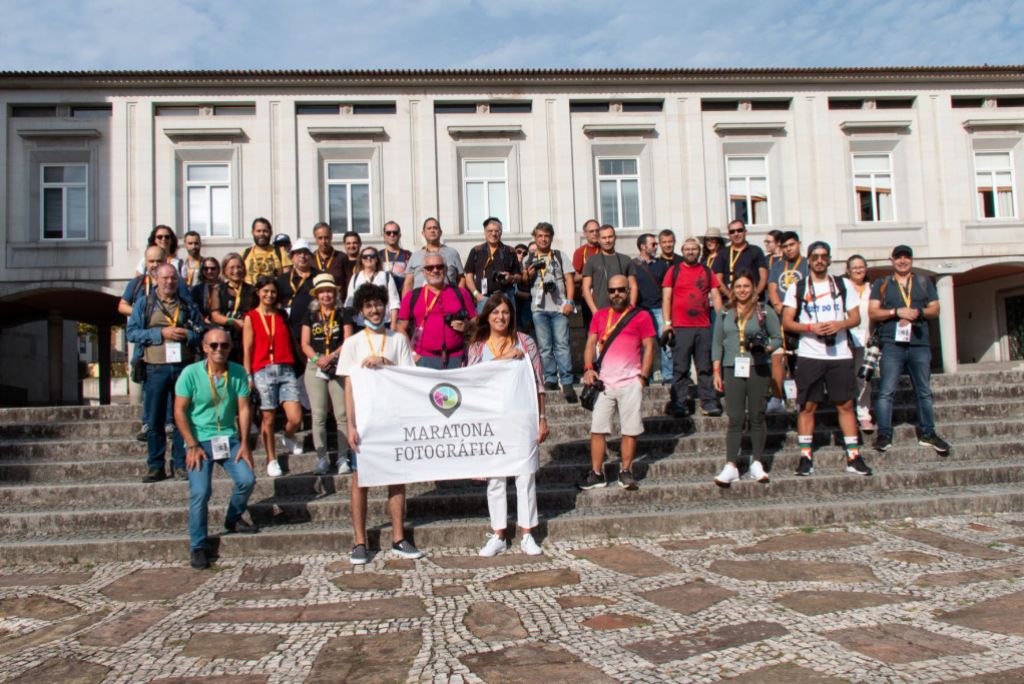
291 446
776 405
494 546
728 475
757 472
274 469
529 545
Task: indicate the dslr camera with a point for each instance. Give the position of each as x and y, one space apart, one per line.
827 340
457 316
758 343
501 279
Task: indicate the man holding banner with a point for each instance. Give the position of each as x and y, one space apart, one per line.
376 348
619 355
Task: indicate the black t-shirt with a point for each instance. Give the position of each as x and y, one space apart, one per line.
326 333
481 265
289 285
649 277
750 259
236 306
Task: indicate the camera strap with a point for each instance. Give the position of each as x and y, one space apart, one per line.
619 327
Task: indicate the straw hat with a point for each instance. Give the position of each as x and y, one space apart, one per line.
324 281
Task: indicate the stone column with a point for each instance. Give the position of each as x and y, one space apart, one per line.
103 357
947 322
55 356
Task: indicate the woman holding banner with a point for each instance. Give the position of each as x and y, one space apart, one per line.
495 338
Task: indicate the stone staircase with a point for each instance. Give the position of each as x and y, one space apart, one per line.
70 485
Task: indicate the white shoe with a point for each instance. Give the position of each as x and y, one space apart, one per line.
494 546
291 446
776 405
274 469
728 475
757 472
529 545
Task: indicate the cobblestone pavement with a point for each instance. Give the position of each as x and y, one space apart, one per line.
938 599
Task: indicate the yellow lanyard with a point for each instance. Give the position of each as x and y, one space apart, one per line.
189 271
547 261
328 331
496 353
490 258
787 273
296 288
213 392
238 298
741 324
710 260
431 305
587 253
610 325
734 256
172 321
320 263
369 341
906 292
269 330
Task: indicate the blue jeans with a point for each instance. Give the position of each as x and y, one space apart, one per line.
434 362
552 330
666 355
157 400
199 487
917 360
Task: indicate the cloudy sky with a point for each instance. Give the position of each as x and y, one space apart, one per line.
340 34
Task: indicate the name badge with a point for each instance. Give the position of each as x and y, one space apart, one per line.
221 447
172 352
538 298
320 374
903 331
742 367
483 286
287 312
789 386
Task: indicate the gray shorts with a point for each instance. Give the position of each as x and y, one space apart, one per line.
276 384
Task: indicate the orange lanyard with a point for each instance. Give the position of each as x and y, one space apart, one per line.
296 288
587 254
172 321
190 271
321 265
907 291
431 305
490 257
328 331
269 330
238 299
369 341
496 353
213 392
610 325
147 286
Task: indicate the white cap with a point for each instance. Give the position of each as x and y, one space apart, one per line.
299 245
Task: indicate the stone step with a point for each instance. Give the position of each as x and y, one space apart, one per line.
468 498
725 513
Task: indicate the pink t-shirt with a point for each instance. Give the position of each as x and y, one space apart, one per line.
623 362
429 316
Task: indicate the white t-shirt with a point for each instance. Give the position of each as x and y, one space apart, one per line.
381 278
357 348
823 306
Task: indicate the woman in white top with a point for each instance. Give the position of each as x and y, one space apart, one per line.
857 272
370 272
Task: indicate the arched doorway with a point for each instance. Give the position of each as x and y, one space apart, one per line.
990 312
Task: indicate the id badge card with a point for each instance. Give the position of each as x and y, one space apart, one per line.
789 386
320 374
903 331
483 286
538 298
172 352
221 447
742 367
287 312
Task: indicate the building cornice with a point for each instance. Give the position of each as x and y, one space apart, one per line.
511 77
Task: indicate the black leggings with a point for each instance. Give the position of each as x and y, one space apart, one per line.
746 397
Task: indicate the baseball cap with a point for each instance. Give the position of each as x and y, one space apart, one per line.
902 250
281 239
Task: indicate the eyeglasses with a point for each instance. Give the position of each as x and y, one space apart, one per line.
369 256
819 257
392 232
616 290
163 236
737 231
215 346
436 267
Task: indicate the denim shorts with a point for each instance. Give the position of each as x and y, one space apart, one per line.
276 384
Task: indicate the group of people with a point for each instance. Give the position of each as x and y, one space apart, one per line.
283 324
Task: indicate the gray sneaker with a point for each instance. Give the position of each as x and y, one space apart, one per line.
323 466
405 549
359 555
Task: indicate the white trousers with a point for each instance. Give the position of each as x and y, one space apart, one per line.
526 502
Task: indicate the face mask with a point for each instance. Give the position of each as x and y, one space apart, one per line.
375 327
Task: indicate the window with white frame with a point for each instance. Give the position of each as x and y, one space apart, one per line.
747 180
993 178
208 199
618 191
348 196
64 211
873 188
485 188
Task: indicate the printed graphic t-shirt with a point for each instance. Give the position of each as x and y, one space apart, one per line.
822 306
690 305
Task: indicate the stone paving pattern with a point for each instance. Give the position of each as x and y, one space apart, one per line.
928 600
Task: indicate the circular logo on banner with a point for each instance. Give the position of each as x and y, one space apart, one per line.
446 398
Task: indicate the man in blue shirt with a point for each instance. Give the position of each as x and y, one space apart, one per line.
650 272
901 305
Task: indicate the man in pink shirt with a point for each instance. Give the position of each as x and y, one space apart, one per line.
436 317
619 354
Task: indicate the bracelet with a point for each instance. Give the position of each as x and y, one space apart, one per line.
587 367
316 357
193 446
543 417
668 323
810 327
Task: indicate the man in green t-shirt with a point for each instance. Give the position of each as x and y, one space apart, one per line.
209 396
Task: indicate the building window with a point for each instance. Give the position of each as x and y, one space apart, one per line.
873 188
208 199
994 182
485 187
618 191
348 196
748 190
65 205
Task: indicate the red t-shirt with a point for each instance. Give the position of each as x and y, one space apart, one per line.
690 305
264 353
624 360
429 314
582 253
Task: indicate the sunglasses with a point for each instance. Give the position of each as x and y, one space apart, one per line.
737 231
437 267
819 257
369 256
215 346
615 290
162 236
391 232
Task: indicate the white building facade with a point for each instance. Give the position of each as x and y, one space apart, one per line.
862 158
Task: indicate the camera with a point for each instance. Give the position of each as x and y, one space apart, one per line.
758 343
872 356
457 316
827 340
502 279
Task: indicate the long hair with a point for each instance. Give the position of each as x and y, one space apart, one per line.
171 249
744 273
376 261
482 325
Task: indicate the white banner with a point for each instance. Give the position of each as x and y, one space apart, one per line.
423 425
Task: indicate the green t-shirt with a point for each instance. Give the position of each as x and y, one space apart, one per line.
194 383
